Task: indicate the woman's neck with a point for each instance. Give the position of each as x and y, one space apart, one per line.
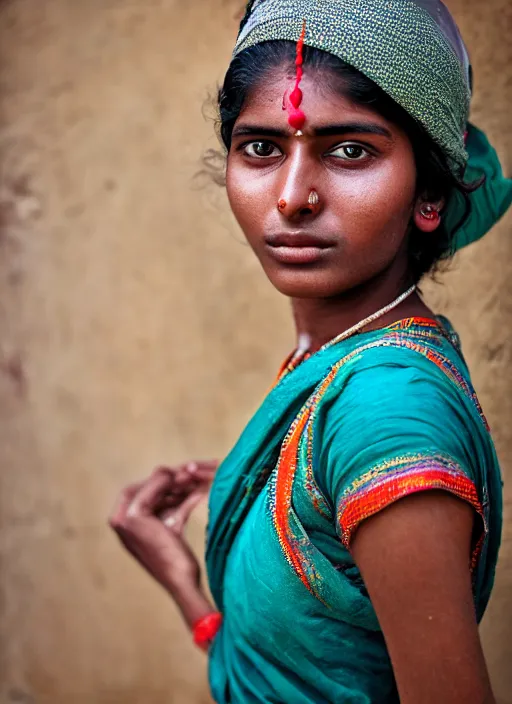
319 320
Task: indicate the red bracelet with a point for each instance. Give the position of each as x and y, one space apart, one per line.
205 629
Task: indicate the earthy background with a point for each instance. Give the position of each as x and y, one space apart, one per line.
137 328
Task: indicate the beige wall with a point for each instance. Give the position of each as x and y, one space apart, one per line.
136 327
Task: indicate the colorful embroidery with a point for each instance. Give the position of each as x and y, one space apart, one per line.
428 329
290 363
317 498
280 494
399 477
297 547
420 323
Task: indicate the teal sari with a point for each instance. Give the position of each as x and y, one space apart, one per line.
347 432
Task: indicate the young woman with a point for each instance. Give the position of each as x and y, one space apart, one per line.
354 528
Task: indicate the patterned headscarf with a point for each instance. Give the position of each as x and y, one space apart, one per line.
413 50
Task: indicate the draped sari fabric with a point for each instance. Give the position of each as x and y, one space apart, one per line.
360 424
349 431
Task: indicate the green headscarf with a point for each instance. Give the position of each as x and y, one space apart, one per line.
413 50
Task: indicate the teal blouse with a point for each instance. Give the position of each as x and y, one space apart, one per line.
352 429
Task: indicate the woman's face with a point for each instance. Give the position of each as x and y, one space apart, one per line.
362 168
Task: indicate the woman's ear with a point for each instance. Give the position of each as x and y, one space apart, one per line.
427 214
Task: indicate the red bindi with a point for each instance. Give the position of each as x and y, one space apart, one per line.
296 117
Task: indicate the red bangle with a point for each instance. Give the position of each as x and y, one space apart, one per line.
205 629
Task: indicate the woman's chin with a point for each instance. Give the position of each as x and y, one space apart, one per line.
305 283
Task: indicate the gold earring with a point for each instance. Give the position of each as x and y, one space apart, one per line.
429 212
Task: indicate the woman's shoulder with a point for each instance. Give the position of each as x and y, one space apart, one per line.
414 367
402 417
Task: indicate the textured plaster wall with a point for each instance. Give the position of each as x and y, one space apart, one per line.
136 327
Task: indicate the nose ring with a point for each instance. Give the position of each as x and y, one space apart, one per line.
314 198
313 202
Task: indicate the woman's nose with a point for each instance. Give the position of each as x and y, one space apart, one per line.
300 207
299 197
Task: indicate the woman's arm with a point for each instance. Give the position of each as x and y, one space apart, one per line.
149 519
414 558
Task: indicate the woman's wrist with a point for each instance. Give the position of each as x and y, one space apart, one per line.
192 602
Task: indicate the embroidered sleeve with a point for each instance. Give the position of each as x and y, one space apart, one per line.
394 479
396 431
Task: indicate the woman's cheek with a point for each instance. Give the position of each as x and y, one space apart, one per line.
245 212
248 199
386 185
381 201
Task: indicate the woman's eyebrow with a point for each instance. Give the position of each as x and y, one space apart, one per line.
244 130
353 128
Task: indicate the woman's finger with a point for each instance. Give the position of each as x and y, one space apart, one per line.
204 469
183 477
173 500
152 492
177 519
188 478
166 488
194 473
122 504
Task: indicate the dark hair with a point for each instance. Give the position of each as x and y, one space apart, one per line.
434 178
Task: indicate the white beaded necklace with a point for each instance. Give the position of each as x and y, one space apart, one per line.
374 316
303 342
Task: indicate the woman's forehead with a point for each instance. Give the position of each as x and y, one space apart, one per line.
321 100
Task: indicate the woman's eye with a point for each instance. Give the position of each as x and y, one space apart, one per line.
262 150
350 152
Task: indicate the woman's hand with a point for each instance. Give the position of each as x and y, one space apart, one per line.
149 519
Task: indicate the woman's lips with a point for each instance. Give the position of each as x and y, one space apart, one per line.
298 247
